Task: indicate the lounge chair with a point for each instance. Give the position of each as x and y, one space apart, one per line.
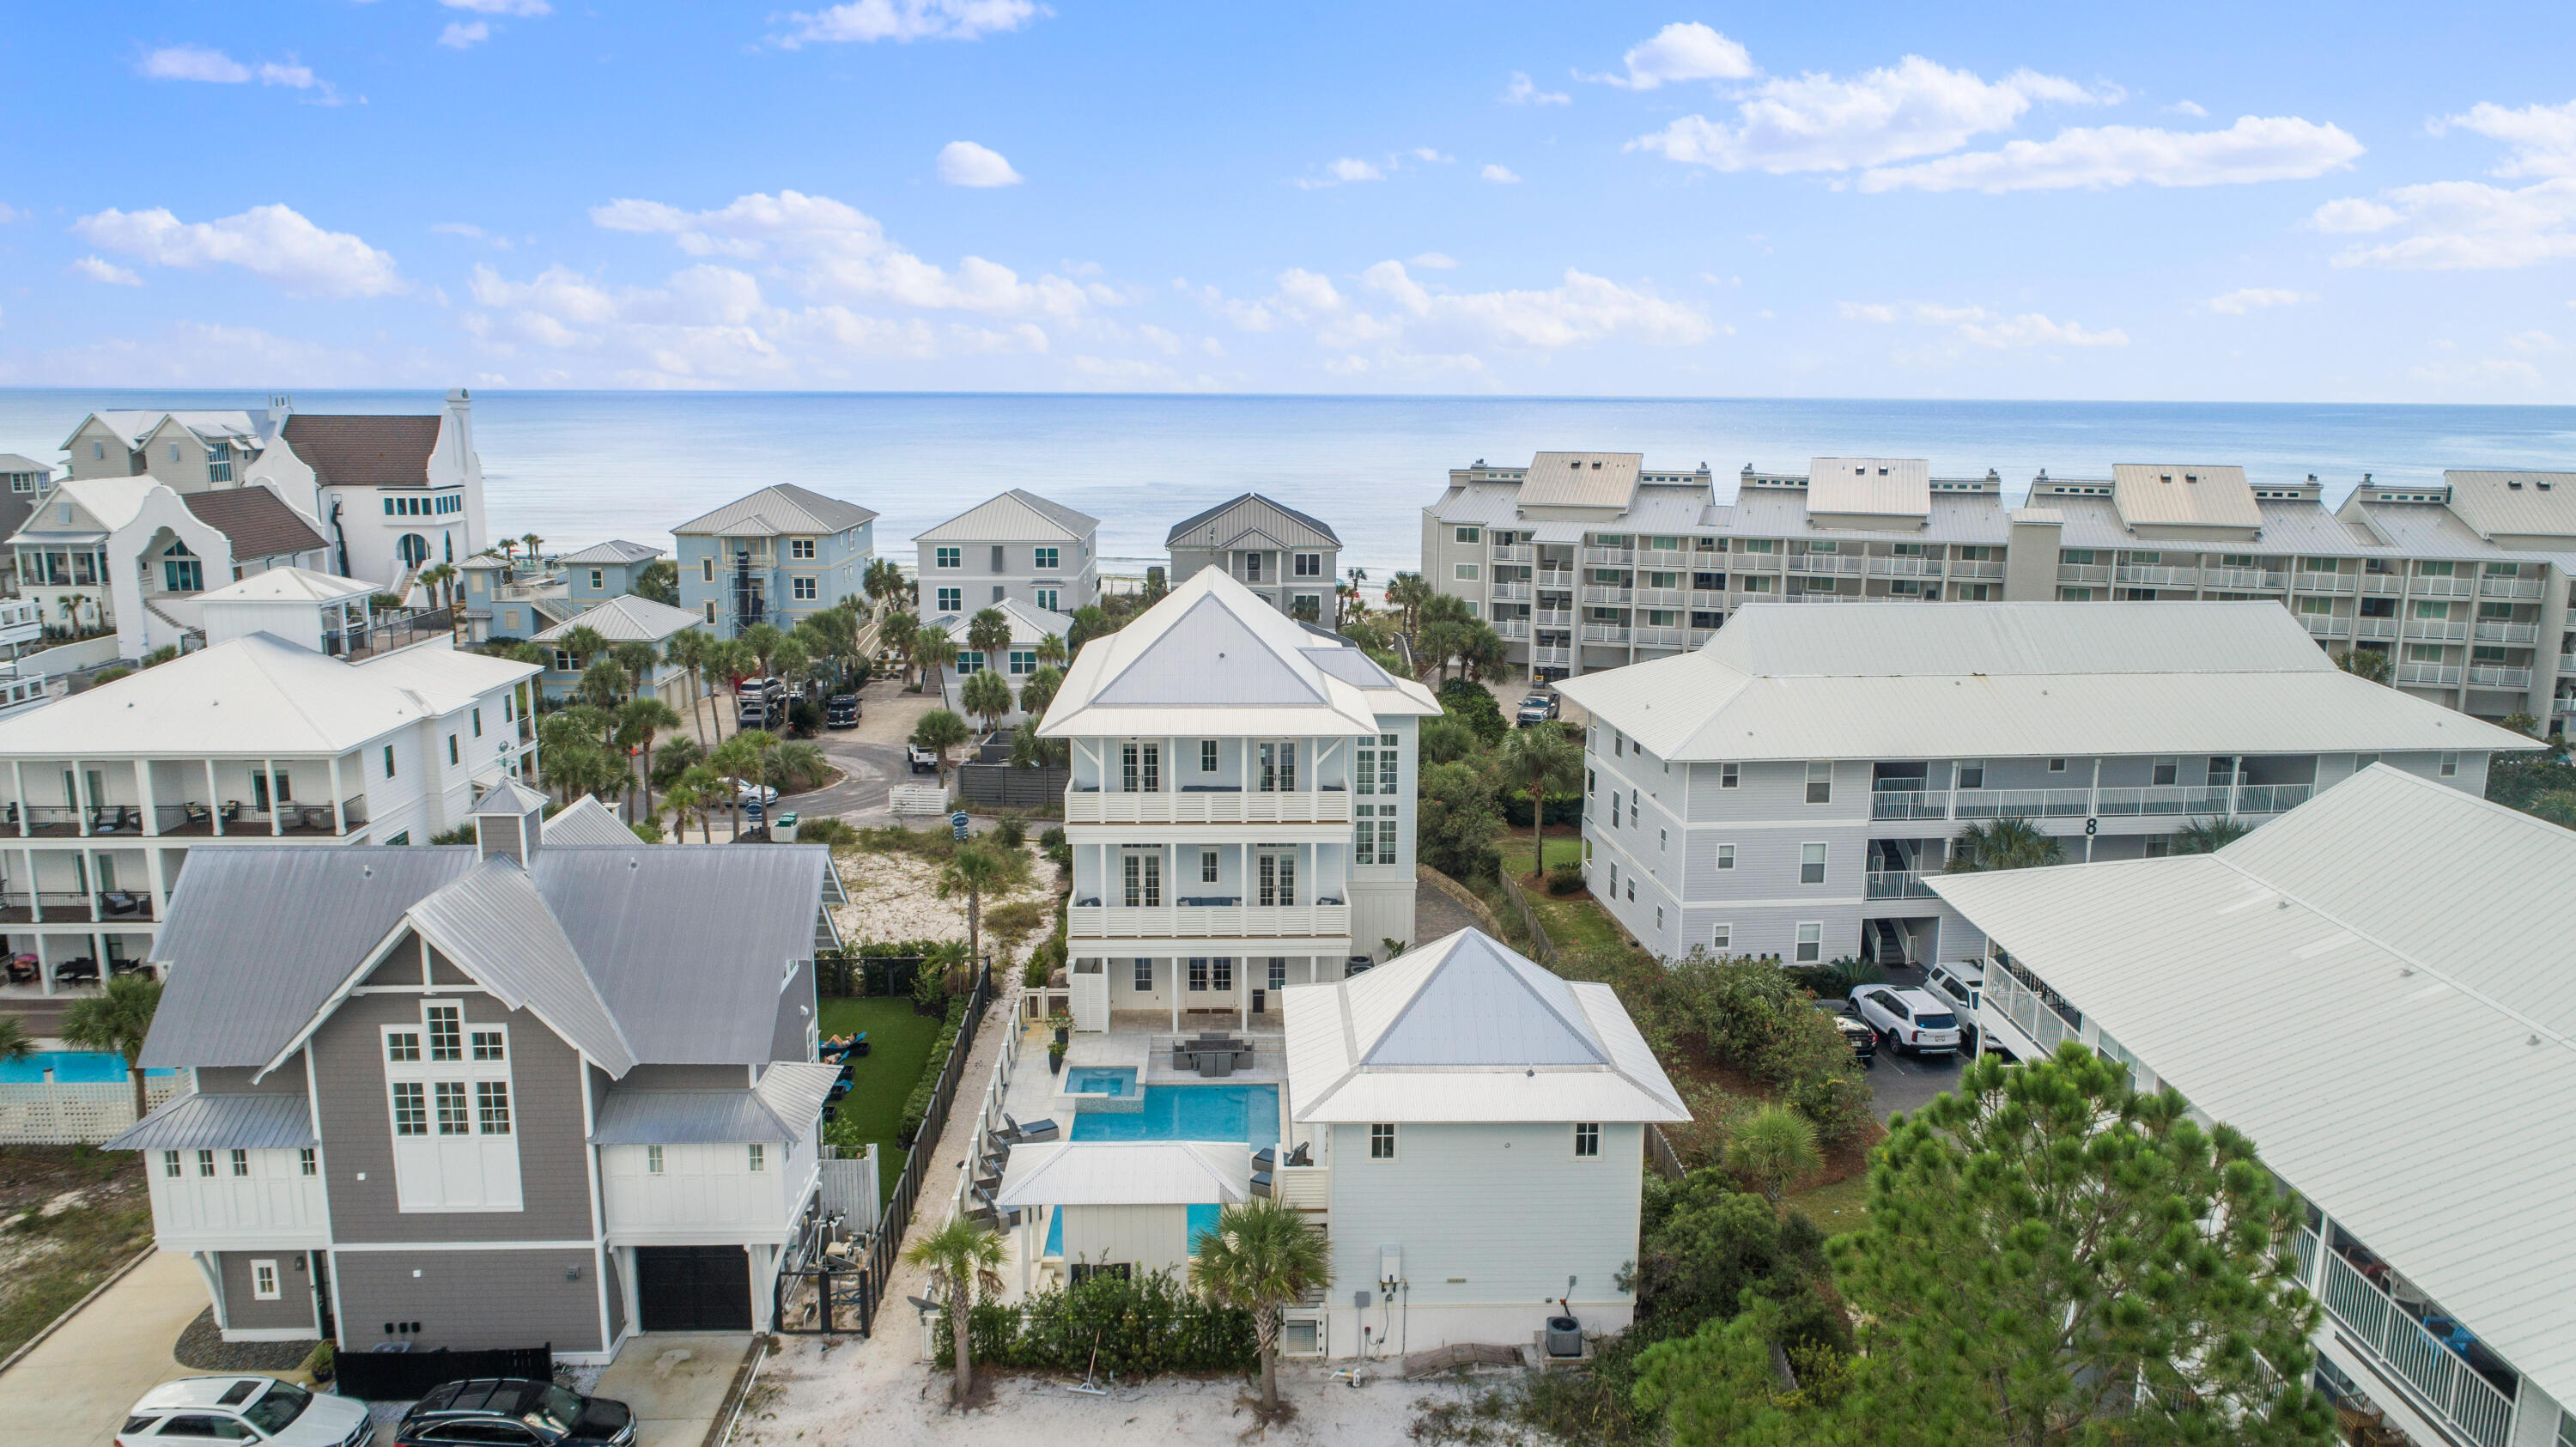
78 967
1303 1155
988 1210
1044 1130
1264 1158
22 969
130 967
120 901
1261 1184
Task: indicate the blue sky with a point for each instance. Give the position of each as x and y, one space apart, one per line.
2182 201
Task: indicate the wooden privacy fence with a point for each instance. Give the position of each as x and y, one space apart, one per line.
1543 948
888 1244
1004 786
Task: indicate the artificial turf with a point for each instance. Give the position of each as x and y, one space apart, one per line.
899 1044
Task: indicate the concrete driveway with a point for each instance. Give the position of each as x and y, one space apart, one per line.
675 1382
75 1388
870 757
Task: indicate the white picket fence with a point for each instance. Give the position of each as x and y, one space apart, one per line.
82 1112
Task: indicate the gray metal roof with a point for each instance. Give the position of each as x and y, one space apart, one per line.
1581 479
779 508
200 1122
587 821
1351 666
494 924
1268 514
1208 656
1480 1004
615 550
1013 516
627 618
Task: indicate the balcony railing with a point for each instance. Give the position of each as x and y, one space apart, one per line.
1555 577
1905 567
2457 1391
1604 633
2083 572
2439 630
2508 587
1551 657
1897 884
2428 675
1214 921
2493 676
1661 597
1514 552
2383 583
1909 804
2270 798
1512 592
1828 563
2264 578
1755 562
1512 627
1554 617
2325 582
2157 575
1699 636
2160 799
2022 1005
1213 806
2567 663
1611 557
2327 625
1597 593
1708 597
2493 631
1982 568
2374 628
2436 587
1663 558
1820 596
1658 637
2023 803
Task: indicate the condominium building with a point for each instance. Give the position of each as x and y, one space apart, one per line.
1288 559
295 725
1241 807
1584 561
774 556
2391 1028
1793 787
130 556
1016 547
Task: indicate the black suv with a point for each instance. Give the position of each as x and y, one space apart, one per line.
842 712
513 1412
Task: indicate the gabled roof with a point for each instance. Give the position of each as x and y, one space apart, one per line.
587 821
508 796
100 505
2374 988
778 508
1223 525
355 450
494 925
1870 486
1898 680
1465 1030
2183 494
1127 1173
258 521
133 425
289 585
782 1107
1028 624
627 618
15 462
201 1122
2515 504
1012 517
1581 479
615 550
1212 658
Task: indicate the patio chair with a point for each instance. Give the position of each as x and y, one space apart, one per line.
1261 1184
120 901
232 813
105 820
195 814
130 967
1182 1059
1044 1130
77 968
22 969
1264 1158
1216 1064
988 1210
317 816
1303 1155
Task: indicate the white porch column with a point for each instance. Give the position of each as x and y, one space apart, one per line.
339 813
18 777
1178 970
155 880
214 800
143 792
35 903
84 803
268 767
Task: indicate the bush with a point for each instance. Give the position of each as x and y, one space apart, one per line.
1565 880
1455 833
648 830
109 674
916 1106
1011 831
461 834
1754 1016
1140 1328
674 758
827 830
1564 811
1469 703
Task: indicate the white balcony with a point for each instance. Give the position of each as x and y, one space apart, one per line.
2083 572
1755 562
2433 587
2492 676
2492 631
1828 564
1514 552
2261 579
2327 625
1604 633
2157 575
1661 597
1555 577
2383 583
1821 597
1512 592
2508 587
1611 557
2437 630
2269 798
1982 568
2162 800
1663 558
2023 803
1659 637
1699 636
1214 921
1708 597
1512 627
1553 617
1896 884
2428 675
1551 658
2478 1407
1909 804
1904 567
2374 628
2325 582
1228 806
1598 593
2567 663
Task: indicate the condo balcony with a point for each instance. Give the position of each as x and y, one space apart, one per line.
2491 676
2156 575
2328 625
1611 557
1828 564
1209 920
2508 587
2083 572
2437 630
1330 805
2325 582
1907 567
2258 579
1514 553
2428 675
2489 630
1512 592
2431 586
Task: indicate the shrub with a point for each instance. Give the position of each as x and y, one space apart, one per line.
1565 879
1008 924
827 830
109 674
1757 1018
674 758
1011 831
1140 1328
916 1106
1052 837
461 834
648 830
1469 703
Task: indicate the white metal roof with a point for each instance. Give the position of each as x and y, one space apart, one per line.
779 508
1028 624
1212 658
2374 988
199 1121
1013 516
587 821
615 550
1127 1173
492 921
627 618
100 504
1581 479
299 585
1870 486
2183 494
133 425
1465 1030
2523 504
1900 680
446 677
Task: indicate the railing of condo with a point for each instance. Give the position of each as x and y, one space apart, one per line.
1194 921
882 1252
1551 657
1602 593
1512 627
1978 568
1663 557
1835 563
2115 803
2263 578
2083 572
1214 806
2327 625
2324 582
2036 1018
2457 1391
1512 592
2438 629
2158 575
2428 675
1611 557
2375 627
2493 632
1554 577
1907 567
2383 583
1553 617
1604 633
2436 587
1897 884
1661 597
1657 637
2509 587
1514 552
2481 676
2022 803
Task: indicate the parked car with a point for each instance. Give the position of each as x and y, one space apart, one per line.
842 712
924 761
1539 707
1907 1020
1960 986
747 792
1862 1039
516 1411
243 1409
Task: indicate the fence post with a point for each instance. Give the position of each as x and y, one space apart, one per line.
1540 943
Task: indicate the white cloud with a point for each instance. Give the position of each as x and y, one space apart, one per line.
1346 169
199 63
1979 327
1894 113
904 21
964 163
1500 175
275 242
470 232
1683 51
2191 108
1435 261
464 35
2256 148
2543 137
1432 155
2254 298
2473 225
2534 340
1396 323
1524 92
107 271
522 9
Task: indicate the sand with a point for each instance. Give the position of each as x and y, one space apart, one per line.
896 897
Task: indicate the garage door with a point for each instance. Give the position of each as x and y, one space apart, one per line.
693 1288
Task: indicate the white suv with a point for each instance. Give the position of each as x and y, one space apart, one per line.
1908 1020
243 1409
1961 986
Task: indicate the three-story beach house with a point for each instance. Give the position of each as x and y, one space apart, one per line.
506 1094
1241 807
1288 559
2374 990
1793 787
773 556
1016 547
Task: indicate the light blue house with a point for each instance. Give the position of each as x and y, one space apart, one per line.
778 555
624 619
604 570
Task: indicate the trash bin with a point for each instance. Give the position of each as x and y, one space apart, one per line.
784 831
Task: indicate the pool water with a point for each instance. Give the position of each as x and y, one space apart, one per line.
1246 1113
1202 1219
1100 1080
88 1066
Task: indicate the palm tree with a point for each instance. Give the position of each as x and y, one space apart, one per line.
960 1258
441 582
1406 593
685 804
989 633
688 649
1261 1258
702 782
1038 690
987 696
933 650
1551 764
2208 836
15 1042
2002 844
1774 1146
639 721
884 581
763 641
974 871
898 630
604 683
583 643
1051 652
117 1018
532 543
939 731
798 765
638 659
2370 663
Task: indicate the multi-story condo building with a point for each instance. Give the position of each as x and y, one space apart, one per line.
130 556
1287 558
2272 984
1241 807
293 726
1791 788
773 557
1586 561
502 1094
1016 547
392 492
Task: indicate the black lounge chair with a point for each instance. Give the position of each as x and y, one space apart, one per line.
1303 1155
120 901
1261 1184
1044 1130
1264 1158
989 1211
78 967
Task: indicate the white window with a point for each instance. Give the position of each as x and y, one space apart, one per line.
1373 834
1614 808
1049 599
1726 776
1310 565
652 1160
1972 773
1726 856
2057 766
1587 1139
758 1157
1811 864
598 578
1466 572
711 611
205 1163
1820 781
2167 770
1811 943
2450 766
1207 866
263 1280
455 1141
1632 889
1721 937
1278 973
706 571
1144 976
1207 758
1381 1142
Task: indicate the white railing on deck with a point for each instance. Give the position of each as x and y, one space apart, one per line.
1319 806
2472 1403
1212 921
76 1112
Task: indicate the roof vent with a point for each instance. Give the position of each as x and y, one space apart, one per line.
2191 477
2513 487
1596 467
2544 487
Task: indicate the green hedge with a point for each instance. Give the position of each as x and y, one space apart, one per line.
916 1107
1143 1328
852 973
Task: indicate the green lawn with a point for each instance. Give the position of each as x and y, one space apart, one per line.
899 1044
1842 1206
1572 923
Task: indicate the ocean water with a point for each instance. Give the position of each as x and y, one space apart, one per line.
579 467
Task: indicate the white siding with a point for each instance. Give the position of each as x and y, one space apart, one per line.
701 1189
1149 1238
1487 1214
275 1205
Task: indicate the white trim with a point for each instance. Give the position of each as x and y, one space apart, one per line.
269 1333
373 1247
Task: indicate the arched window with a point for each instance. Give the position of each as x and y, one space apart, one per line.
413 549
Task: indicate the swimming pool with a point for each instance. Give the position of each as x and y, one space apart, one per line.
88 1066
1246 1113
1100 1080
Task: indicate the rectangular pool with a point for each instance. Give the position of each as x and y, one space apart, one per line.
90 1066
1246 1113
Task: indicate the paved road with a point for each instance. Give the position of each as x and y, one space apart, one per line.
870 757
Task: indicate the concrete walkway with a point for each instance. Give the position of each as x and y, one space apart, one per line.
75 1389
675 1382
